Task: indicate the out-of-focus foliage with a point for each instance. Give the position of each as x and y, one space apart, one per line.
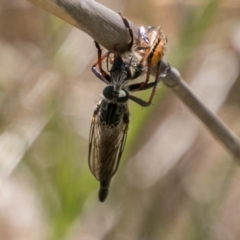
174 182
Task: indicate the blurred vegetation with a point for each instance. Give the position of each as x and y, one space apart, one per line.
174 182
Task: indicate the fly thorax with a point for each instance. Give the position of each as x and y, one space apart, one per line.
110 116
113 107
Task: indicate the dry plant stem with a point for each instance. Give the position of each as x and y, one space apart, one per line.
107 28
101 23
219 130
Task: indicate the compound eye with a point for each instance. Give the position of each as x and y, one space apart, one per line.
123 96
108 92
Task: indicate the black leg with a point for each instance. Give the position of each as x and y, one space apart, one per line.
130 31
139 101
140 86
144 86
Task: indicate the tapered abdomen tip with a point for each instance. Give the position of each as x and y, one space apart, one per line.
102 194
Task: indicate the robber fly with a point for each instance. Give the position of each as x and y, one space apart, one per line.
109 126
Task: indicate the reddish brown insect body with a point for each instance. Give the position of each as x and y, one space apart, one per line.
151 45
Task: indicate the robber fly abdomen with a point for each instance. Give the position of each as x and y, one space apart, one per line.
107 139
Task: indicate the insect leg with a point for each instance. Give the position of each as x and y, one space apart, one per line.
141 86
145 86
100 73
139 101
130 31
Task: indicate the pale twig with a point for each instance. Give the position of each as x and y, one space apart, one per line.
106 27
101 23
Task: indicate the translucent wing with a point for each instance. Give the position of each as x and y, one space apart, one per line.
105 148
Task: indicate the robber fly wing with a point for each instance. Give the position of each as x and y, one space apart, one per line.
105 148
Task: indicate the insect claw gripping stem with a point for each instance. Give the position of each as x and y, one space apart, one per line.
99 51
130 31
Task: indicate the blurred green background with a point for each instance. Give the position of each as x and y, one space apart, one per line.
174 182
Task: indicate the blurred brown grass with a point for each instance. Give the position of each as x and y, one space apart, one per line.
175 181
